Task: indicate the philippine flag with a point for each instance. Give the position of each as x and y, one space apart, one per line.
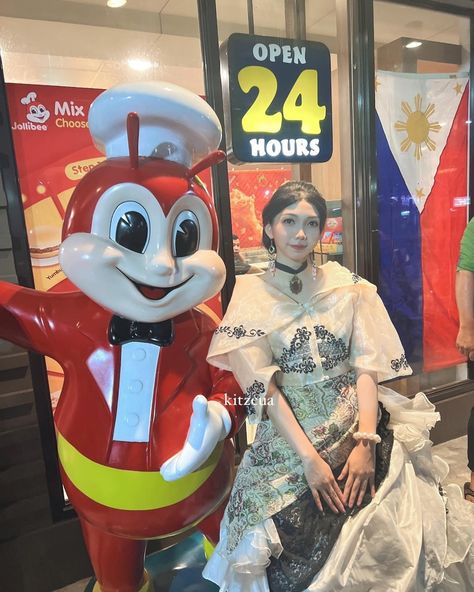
422 153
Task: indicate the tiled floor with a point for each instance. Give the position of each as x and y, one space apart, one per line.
453 452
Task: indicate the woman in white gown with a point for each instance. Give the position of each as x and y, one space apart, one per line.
339 489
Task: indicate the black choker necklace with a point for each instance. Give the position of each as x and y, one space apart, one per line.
296 285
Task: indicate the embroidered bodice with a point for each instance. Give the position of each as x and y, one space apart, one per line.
344 325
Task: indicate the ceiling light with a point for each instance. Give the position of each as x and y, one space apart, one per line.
116 3
413 44
140 65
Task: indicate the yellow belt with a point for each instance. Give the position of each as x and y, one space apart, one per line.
129 490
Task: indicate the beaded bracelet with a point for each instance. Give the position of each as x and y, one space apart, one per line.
367 436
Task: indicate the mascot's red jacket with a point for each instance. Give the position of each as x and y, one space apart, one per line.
74 330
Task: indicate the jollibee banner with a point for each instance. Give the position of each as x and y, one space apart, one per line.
53 151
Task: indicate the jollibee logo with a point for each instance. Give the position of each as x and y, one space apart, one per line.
36 111
67 114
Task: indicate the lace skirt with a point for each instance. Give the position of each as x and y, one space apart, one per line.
412 537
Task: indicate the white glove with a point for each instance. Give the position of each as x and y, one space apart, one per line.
210 423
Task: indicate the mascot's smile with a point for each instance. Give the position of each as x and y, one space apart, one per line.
154 292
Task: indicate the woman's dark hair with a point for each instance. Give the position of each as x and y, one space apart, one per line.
288 194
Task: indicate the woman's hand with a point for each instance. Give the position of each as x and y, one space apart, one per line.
322 482
360 472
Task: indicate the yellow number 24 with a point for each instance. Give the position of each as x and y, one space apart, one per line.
301 104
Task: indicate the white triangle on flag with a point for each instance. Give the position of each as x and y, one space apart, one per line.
417 112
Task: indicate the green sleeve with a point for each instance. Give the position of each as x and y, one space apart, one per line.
466 256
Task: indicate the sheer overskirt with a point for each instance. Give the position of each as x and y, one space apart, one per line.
410 538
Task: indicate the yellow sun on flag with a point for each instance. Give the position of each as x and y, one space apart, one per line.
417 127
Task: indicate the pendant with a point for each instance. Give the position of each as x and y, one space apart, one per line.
296 284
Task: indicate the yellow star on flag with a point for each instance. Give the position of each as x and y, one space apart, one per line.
458 88
419 193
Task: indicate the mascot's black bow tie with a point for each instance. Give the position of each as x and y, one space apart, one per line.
122 331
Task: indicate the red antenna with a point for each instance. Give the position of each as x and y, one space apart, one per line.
133 128
213 158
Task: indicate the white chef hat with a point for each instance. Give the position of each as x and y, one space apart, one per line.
175 123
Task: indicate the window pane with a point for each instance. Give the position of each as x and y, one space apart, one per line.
321 26
252 185
422 102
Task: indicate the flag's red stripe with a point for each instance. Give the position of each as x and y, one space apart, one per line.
442 226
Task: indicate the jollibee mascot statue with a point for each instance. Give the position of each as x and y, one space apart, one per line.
141 425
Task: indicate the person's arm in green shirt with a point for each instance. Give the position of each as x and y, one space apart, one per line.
465 292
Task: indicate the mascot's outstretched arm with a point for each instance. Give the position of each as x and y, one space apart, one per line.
27 318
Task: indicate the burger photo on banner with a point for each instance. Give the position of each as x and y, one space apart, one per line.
250 190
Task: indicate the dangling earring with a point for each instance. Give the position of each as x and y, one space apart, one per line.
272 257
314 267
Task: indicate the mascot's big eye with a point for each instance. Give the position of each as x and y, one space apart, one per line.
130 226
185 238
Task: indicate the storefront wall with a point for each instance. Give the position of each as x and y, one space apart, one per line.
66 56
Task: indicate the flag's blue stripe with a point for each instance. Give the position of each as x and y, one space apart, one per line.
400 279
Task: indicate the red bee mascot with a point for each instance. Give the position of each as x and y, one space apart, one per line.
143 422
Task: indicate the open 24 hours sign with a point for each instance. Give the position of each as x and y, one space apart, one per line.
277 95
